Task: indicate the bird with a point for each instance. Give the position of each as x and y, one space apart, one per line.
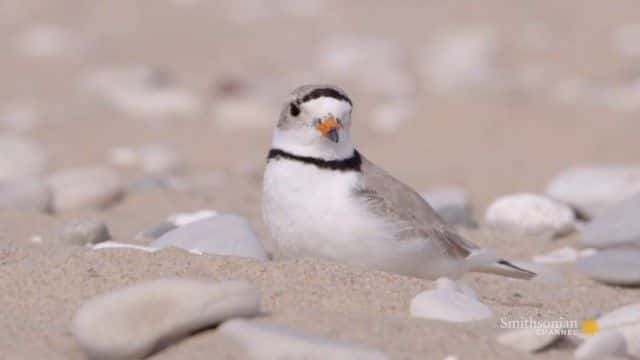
323 199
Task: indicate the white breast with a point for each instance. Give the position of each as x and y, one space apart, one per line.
313 212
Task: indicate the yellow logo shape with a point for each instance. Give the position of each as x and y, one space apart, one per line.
589 327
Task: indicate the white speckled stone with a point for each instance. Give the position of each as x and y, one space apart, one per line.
86 187
530 215
267 341
132 322
223 234
448 302
592 189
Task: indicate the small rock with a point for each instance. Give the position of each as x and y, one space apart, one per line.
563 255
25 195
20 158
530 215
527 340
601 346
460 61
448 302
181 219
267 341
159 160
132 322
156 231
616 226
452 204
592 189
224 234
86 187
84 232
613 266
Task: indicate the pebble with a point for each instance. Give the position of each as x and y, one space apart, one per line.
452 204
30 194
565 254
131 323
530 215
620 266
118 245
181 219
618 225
224 234
527 340
592 189
268 341
85 232
448 302
141 91
618 334
85 187
160 160
20 159
461 60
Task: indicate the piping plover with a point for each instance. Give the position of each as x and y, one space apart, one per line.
324 199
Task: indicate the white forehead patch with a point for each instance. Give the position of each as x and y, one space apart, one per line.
327 105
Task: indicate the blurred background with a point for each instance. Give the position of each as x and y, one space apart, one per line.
491 96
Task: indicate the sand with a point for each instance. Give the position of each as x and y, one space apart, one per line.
489 143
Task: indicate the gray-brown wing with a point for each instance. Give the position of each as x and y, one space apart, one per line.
392 199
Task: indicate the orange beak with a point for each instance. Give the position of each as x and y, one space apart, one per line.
329 128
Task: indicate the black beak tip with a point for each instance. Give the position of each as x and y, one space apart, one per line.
333 135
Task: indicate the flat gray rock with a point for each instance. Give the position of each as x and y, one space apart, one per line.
527 340
156 231
223 234
20 158
266 341
618 225
619 266
530 215
452 204
132 322
30 194
85 187
593 189
85 232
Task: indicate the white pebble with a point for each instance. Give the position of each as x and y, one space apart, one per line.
530 215
181 219
448 302
527 340
266 341
117 245
132 322
565 254
85 187
20 158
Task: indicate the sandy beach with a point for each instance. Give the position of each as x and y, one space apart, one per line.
553 89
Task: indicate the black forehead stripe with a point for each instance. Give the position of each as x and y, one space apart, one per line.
326 92
352 163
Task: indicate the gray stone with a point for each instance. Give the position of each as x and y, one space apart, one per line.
20 158
452 204
618 225
267 341
530 215
25 195
224 234
131 323
86 187
619 266
448 302
85 232
160 160
592 189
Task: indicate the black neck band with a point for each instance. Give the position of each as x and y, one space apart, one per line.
349 164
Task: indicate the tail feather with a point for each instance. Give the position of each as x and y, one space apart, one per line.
505 268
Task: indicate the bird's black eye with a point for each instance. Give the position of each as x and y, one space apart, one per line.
294 110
